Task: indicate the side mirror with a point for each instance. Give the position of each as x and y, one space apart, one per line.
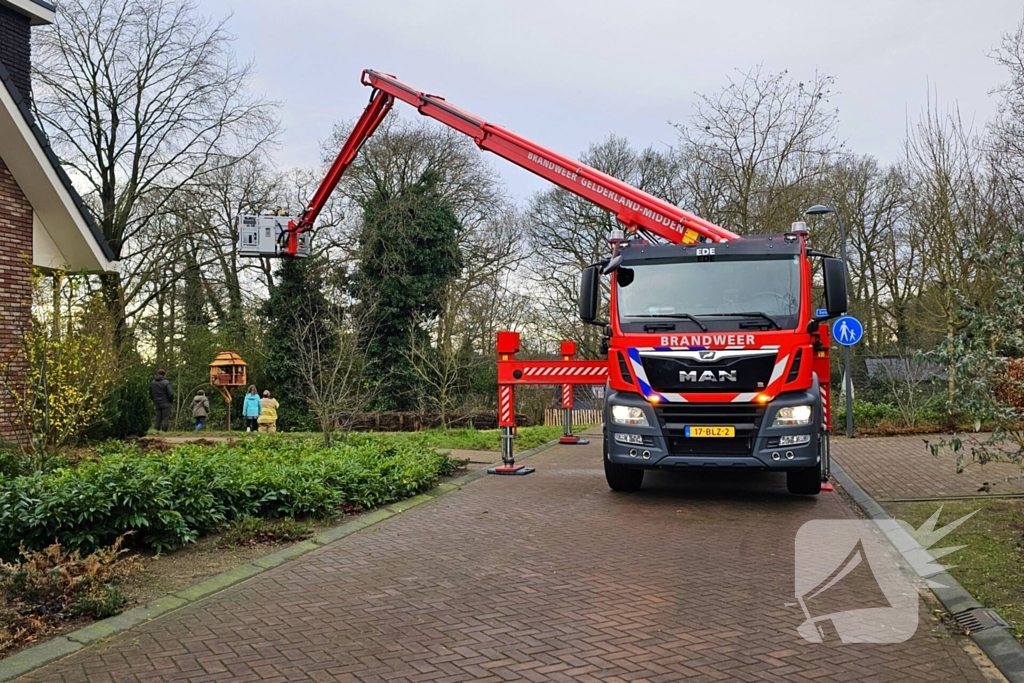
836 300
590 290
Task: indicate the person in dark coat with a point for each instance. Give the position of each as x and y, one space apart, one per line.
162 395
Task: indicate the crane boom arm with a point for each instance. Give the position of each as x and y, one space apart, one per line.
635 209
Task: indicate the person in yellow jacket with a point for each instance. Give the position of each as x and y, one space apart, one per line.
268 413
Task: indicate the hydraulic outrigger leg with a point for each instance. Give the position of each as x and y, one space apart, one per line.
508 346
826 462
508 461
568 438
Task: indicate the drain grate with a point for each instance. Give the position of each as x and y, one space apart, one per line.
979 619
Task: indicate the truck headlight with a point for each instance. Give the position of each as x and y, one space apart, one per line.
629 415
792 416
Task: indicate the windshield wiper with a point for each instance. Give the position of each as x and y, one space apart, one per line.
676 316
748 314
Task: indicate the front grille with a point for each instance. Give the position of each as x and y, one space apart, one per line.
675 417
733 375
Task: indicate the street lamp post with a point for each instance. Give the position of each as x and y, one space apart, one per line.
818 210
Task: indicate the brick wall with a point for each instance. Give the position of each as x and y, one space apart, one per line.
15 291
16 49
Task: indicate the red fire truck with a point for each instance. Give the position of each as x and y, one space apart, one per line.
717 351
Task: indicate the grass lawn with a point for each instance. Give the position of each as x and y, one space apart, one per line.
476 439
991 567
459 439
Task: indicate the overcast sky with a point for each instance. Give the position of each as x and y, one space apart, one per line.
566 73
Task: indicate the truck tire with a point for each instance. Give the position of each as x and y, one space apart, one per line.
622 478
805 482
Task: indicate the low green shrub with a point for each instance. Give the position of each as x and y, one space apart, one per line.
935 411
171 498
867 414
11 460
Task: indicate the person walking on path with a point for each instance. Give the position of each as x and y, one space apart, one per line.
162 394
251 409
268 413
200 409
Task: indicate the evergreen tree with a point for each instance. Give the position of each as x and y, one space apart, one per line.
298 296
409 252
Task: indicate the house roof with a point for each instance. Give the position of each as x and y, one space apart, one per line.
39 12
54 199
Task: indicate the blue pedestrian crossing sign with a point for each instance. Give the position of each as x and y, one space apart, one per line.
847 330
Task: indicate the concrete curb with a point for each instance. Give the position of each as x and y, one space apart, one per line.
998 644
40 655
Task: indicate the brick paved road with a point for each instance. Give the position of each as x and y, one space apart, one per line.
903 467
543 578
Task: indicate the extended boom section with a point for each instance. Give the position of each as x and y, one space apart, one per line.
635 209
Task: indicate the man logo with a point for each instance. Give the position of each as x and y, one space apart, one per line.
707 376
707 355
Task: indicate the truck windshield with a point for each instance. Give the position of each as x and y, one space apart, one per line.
726 293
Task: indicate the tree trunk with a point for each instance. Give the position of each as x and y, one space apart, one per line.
161 328
951 381
113 299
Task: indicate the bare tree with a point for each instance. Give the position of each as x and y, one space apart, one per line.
330 362
907 376
951 209
751 147
1008 128
237 186
142 99
401 152
567 233
441 370
884 255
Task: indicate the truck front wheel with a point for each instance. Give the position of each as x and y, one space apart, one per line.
622 478
805 482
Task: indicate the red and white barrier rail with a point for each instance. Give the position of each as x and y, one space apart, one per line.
511 372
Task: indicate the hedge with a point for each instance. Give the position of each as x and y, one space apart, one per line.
170 498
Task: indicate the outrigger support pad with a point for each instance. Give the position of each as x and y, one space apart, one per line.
508 462
511 469
568 438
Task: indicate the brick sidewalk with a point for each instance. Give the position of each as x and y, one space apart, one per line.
903 467
549 577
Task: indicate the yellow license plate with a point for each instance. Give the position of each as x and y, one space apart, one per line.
692 431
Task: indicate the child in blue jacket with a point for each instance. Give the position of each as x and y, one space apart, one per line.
251 409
